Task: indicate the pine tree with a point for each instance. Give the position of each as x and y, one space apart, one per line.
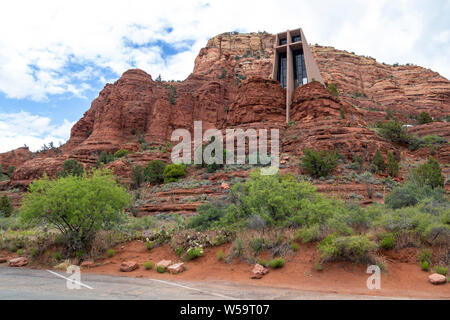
378 161
392 165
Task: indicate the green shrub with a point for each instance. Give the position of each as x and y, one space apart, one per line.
72 167
263 262
148 265
174 172
388 241
318 163
318 266
19 252
149 245
207 216
333 90
154 171
277 263
295 246
309 234
441 270
105 158
378 161
353 248
194 253
10 170
160 269
137 176
57 256
392 166
433 139
77 206
110 253
424 118
430 173
219 255
121 153
424 265
179 251
257 245
425 255
410 194
6 207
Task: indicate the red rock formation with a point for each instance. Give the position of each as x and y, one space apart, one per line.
322 122
229 87
14 158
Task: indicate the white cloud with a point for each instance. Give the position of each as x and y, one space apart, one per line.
39 38
18 129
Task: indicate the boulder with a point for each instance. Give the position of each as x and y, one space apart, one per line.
164 263
176 268
18 262
259 271
128 266
437 279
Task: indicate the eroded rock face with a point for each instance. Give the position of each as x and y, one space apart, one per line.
15 157
230 87
322 122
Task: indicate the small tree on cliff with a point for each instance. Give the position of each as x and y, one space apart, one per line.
6 207
424 118
77 206
378 161
392 165
319 163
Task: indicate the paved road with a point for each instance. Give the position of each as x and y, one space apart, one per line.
22 283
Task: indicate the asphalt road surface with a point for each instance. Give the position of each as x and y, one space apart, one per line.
22 283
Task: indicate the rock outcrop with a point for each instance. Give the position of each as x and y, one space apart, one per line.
229 87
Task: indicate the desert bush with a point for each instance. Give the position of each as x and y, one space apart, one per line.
309 234
220 255
319 163
160 269
430 173
149 245
71 167
77 206
353 248
277 263
424 265
388 241
10 170
295 246
19 252
441 270
193 253
392 166
424 118
105 158
318 266
378 161
333 90
154 171
6 207
137 176
57 256
148 265
121 153
257 245
425 255
410 194
174 172
110 253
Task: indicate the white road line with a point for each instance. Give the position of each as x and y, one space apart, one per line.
71 280
195 289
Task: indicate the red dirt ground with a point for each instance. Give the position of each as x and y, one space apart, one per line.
403 279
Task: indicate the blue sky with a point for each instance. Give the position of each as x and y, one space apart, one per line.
56 56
